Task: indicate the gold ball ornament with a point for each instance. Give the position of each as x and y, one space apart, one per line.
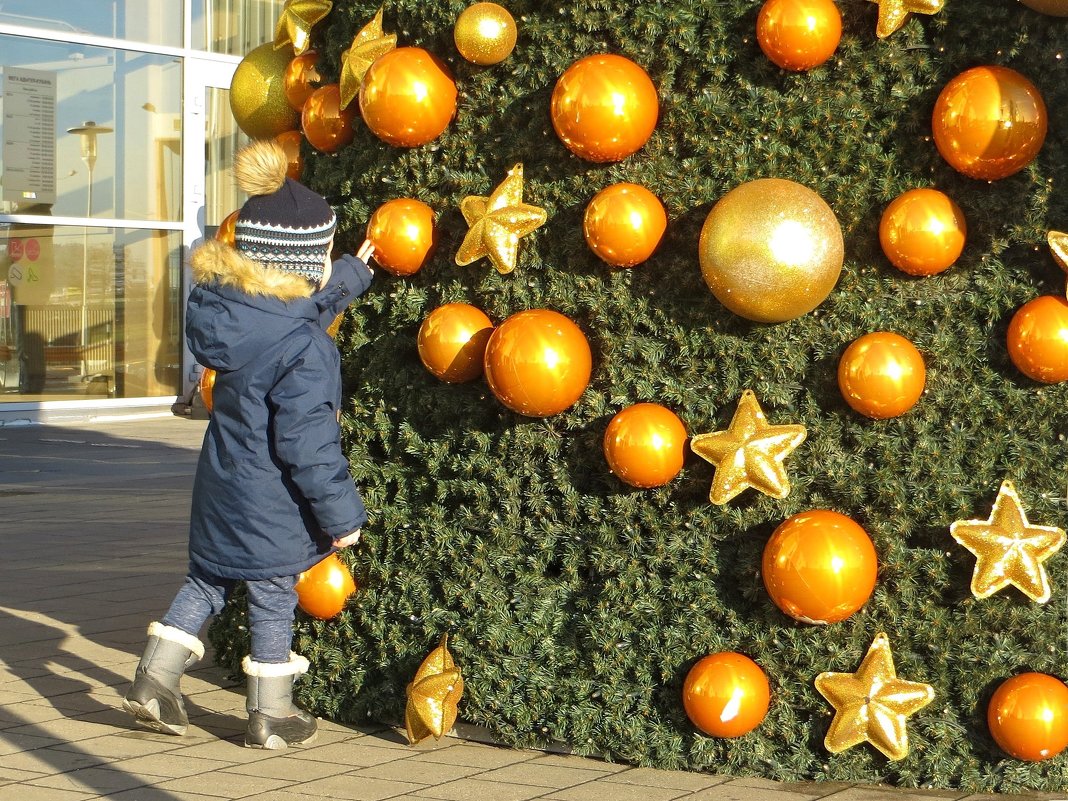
771 250
258 93
452 342
485 34
1055 8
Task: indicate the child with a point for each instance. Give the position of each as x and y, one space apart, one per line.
272 494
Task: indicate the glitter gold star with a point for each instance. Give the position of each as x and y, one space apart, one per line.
872 704
370 43
1058 245
498 222
894 13
433 696
750 453
1008 549
295 22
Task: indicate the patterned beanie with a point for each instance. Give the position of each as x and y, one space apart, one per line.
283 225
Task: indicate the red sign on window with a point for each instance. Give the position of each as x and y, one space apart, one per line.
33 249
14 249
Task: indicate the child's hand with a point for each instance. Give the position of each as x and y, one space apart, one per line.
366 251
349 539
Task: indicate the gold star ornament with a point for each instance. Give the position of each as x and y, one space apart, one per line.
433 695
873 704
296 21
750 453
498 222
1058 245
894 13
1008 549
370 43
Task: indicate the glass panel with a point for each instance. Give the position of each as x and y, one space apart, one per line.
88 312
234 27
224 138
90 131
150 21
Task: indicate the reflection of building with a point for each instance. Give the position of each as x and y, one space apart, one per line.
96 218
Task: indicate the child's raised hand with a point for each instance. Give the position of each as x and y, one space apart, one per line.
366 251
349 539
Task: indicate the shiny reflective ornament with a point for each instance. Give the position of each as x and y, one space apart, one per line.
1028 716
1008 549
726 694
819 567
290 142
1058 246
604 107
301 78
1038 339
258 96
367 47
895 13
226 229
881 375
335 326
433 696
327 126
407 97
799 34
989 122
750 453
538 363
485 33
771 250
206 388
323 589
452 342
402 231
645 445
1055 8
497 223
872 705
623 224
296 21
922 232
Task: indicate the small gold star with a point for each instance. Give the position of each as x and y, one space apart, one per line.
433 696
498 222
295 22
750 453
1008 549
1058 244
370 43
872 704
894 13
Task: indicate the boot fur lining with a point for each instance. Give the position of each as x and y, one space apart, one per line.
172 634
296 666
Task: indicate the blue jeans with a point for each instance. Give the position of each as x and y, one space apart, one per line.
271 605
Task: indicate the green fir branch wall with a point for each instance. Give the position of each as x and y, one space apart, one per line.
574 604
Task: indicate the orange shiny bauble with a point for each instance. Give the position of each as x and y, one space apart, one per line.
881 375
645 444
207 385
290 142
624 223
225 232
301 78
452 342
989 122
326 125
819 566
323 589
1028 716
799 34
726 694
402 231
922 232
538 362
407 97
604 107
1038 339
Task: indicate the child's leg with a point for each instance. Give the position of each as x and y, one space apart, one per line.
271 607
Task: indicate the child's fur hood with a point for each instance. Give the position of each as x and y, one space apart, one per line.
219 263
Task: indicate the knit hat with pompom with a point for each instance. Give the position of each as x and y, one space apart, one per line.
283 225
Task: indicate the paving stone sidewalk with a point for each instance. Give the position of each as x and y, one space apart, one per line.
92 530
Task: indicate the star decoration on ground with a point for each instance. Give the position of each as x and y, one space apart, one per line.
894 13
498 222
1008 549
872 705
433 695
750 453
370 43
295 22
1058 245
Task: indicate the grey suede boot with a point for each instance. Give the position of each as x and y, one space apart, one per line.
155 699
273 720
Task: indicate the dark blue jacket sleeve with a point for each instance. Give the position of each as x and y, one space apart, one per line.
349 278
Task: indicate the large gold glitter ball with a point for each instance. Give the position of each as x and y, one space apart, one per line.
258 93
771 250
485 34
1055 8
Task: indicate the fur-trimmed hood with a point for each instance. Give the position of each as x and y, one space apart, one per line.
218 263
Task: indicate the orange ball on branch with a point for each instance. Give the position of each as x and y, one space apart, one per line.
402 231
